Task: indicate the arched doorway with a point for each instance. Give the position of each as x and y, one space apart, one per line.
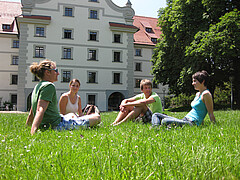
29 102
114 101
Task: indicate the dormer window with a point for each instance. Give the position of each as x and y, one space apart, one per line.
149 30
6 27
154 40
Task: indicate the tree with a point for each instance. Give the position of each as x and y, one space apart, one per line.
220 48
189 42
179 22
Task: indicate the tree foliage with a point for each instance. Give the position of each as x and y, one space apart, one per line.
198 35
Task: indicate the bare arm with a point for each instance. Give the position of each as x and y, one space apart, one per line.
140 102
41 108
80 113
63 104
207 99
30 118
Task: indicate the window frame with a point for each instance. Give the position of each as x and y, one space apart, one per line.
68 79
63 53
44 31
93 15
120 77
120 38
89 35
41 51
96 77
14 61
11 98
137 83
96 55
71 33
120 56
15 43
14 79
95 98
138 69
64 11
138 52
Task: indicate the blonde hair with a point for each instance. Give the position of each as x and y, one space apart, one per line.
145 82
38 69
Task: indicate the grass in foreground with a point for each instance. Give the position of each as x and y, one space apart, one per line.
129 151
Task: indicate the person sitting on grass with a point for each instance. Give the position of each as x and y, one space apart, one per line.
44 110
144 104
70 102
201 105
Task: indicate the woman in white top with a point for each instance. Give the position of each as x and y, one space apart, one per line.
70 103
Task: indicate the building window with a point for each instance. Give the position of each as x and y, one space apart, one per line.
67 53
116 78
40 32
68 11
15 44
66 76
116 56
92 36
117 38
149 30
154 40
6 27
93 14
14 99
138 52
137 83
92 99
93 0
92 77
67 34
138 67
14 79
15 60
92 54
39 52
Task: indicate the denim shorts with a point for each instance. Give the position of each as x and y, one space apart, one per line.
73 123
147 117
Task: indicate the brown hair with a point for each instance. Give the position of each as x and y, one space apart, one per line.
145 82
76 80
38 69
201 76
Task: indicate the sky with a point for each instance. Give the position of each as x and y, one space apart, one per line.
148 8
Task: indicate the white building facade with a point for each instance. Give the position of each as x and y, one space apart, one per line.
91 40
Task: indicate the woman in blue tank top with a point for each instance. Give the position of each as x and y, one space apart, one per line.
201 105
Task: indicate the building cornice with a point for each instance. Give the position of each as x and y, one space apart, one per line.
34 19
123 27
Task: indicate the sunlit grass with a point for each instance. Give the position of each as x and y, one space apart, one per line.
129 151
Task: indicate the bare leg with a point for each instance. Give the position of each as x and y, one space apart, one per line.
94 119
122 115
134 113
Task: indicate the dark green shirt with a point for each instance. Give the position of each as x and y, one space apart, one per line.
45 90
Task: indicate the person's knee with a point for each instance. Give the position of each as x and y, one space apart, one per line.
155 120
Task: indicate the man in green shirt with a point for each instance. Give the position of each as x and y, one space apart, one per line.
144 104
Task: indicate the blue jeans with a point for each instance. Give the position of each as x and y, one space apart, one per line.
158 119
70 123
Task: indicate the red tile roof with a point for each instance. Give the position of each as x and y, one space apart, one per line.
8 12
143 37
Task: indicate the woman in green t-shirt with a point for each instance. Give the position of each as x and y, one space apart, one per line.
44 111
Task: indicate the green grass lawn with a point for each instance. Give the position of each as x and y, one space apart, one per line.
129 151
